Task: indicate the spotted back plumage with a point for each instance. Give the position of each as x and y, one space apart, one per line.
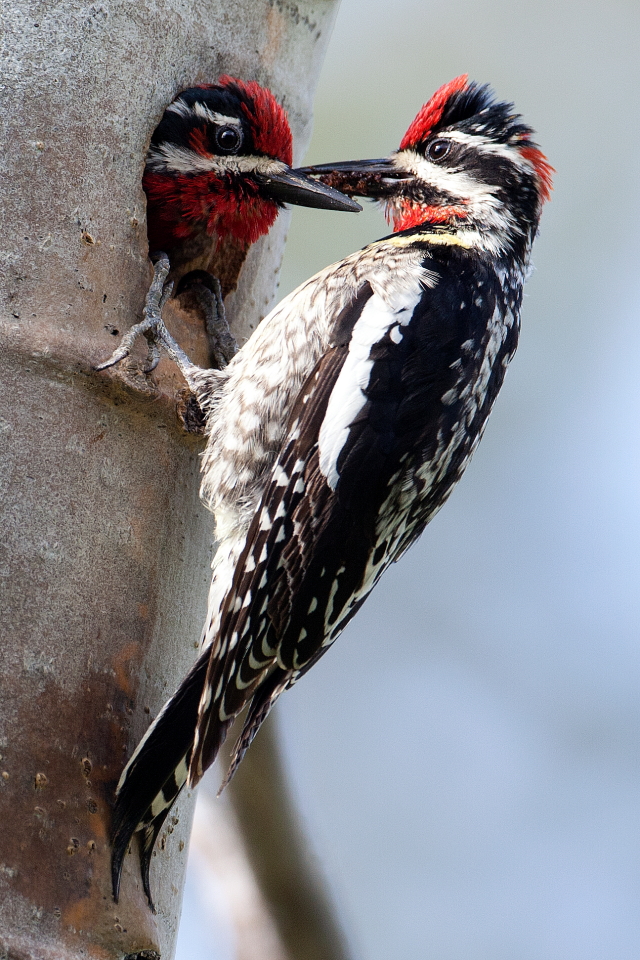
350 492
337 433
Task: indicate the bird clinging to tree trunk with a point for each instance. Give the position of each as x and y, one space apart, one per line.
218 170
341 427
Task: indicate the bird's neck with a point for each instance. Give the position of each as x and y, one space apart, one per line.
407 214
181 208
495 233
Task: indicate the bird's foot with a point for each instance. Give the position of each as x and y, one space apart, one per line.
201 291
152 327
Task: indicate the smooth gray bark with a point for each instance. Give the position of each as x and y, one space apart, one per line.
104 547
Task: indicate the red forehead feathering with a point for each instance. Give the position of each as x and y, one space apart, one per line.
429 115
269 124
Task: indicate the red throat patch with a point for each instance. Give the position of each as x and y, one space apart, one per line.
178 207
432 111
407 215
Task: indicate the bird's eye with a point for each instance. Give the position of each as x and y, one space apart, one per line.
438 149
228 139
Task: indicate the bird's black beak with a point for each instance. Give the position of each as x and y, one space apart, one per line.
376 179
292 186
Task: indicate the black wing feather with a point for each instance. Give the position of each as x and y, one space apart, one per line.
315 579
315 553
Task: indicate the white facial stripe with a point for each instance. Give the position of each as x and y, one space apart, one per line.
347 397
455 182
478 199
180 107
202 112
487 146
171 158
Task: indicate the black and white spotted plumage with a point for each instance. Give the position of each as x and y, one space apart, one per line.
345 501
336 434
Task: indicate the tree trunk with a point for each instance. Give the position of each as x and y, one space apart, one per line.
104 547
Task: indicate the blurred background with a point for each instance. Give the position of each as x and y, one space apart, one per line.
466 758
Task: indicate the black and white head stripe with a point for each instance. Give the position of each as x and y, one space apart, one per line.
216 107
205 130
202 111
466 162
473 109
214 128
175 158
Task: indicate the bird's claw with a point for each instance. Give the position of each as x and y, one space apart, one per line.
201 293
224 345
152 325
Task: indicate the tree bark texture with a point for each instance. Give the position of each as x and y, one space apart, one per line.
104 547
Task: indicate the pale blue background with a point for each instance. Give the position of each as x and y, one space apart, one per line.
466 757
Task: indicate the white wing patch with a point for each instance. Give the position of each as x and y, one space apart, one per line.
378 317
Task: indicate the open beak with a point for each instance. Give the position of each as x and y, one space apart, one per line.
293 186
376 179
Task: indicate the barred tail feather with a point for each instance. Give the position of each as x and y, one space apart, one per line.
148 838
156 773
